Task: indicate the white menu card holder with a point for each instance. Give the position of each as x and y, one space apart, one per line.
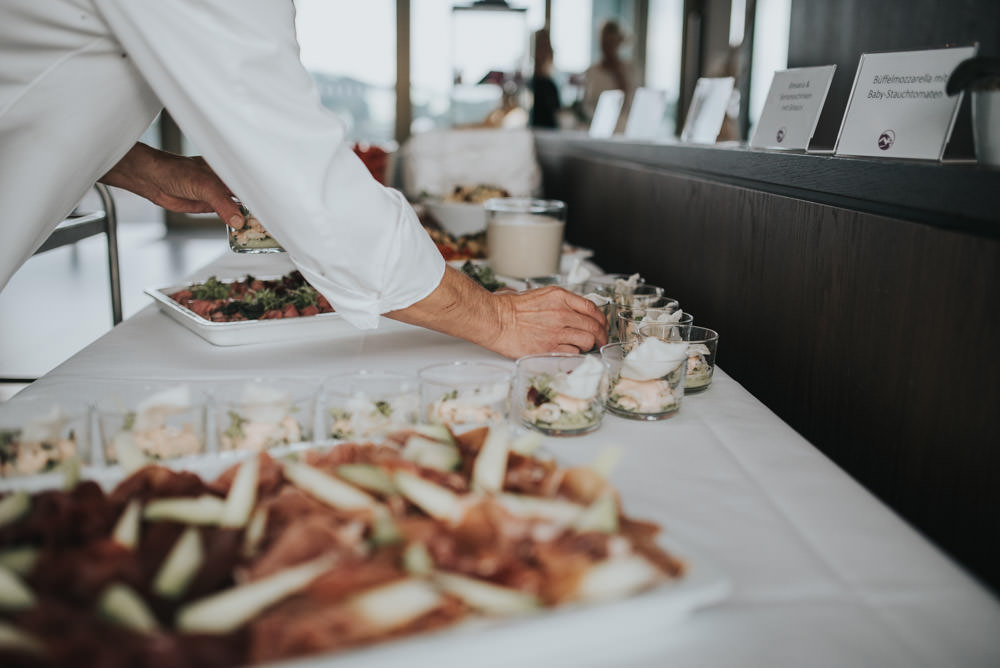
645 118
898 106
708 110
794 103
609 107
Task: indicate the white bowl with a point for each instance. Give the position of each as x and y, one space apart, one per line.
458 218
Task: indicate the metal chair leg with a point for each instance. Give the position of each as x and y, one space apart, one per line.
111 230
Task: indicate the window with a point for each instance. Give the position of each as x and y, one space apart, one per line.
663 54
350 50
451 51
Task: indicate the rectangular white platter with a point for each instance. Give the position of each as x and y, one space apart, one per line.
596 634
244 332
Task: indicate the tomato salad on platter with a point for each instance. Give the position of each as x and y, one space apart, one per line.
251 298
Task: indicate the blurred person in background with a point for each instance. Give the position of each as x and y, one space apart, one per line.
544 92
81 80
609 73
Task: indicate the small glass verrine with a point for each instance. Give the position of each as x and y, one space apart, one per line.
37 434
369 404
156 421
646 383
560 394
703 344
629 320
252 237
465 394
263 413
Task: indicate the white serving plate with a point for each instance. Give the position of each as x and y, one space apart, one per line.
457 218
596 634
322 325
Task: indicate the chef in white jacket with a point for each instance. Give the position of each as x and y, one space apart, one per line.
81 80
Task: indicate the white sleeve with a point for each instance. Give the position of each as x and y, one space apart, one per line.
229 73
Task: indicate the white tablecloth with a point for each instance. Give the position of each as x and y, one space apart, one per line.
822 573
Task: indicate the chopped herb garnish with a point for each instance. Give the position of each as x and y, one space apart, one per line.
483 275
236 422
213 288
383 407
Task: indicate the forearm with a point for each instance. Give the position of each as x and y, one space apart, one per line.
460 307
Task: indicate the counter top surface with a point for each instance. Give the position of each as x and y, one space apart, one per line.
959 196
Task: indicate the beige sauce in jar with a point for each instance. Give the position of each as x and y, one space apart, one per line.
523 245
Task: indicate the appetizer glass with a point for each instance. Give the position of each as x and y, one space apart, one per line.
252 237
560 394
646 389
264 413
465 394
703 343
369 404
161 421
38 434
629 321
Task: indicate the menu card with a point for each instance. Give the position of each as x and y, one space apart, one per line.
708 109
899 108
794 103
645 118
609 107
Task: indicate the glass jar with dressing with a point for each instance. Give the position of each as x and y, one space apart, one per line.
524 236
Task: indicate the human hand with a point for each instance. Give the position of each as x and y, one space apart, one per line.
548 320
175 182
515 325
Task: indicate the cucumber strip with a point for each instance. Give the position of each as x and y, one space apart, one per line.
130 456
180 566
326 488
616 578
15 640
127 529
437 501
431 454
230 609
436 432
384 529
19 560
527 444
188 510
242 495
487 597
121 605
417 560
491 464
254 533
14 506
14 594
607 460
368 477
71 473
601 515
392 605
560 511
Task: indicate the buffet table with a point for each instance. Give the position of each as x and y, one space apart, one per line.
819 571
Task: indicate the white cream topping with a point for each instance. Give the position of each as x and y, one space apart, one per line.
262 403
577 272
583 381
44 429
599 300
153 411
653 359
666 317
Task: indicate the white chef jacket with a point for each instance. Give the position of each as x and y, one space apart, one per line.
81 80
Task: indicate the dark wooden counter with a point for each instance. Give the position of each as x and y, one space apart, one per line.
856 298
